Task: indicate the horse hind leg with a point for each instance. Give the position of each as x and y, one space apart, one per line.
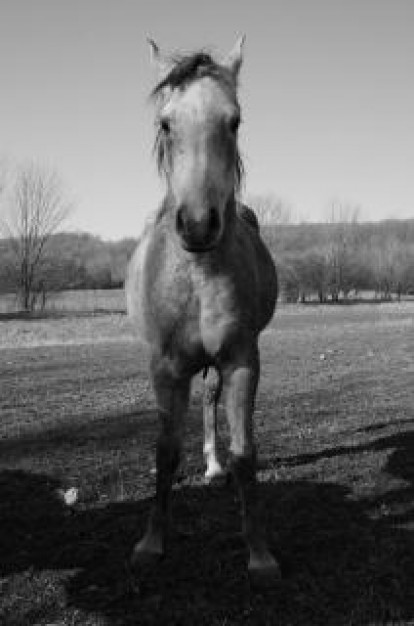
212 389
172 394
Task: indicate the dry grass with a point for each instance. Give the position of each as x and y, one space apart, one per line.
74 301
335 428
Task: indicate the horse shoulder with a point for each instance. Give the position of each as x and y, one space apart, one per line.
254 254
134 284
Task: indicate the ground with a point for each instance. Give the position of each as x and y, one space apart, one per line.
335 433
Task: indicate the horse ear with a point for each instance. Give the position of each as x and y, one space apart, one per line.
158 60
234 59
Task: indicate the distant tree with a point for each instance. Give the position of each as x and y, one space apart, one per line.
289 282
270 209
387 263
310 273
120 253
340 247
36 209
406 273
316 274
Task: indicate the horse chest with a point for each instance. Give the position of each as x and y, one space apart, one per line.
200 315
219 313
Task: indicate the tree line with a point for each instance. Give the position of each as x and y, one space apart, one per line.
318 261
330 261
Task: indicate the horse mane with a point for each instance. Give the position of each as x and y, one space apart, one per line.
248 215
189 67
185 70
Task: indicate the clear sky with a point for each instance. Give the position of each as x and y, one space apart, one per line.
327 95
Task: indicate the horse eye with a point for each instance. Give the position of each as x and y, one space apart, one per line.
234 124
165 125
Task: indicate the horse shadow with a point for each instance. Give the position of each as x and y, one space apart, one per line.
400 465
339 565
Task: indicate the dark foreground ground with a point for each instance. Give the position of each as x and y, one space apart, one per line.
335 430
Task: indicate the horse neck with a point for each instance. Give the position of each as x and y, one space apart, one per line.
230 215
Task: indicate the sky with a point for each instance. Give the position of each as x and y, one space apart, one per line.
327 98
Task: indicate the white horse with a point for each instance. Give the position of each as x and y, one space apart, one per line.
202 285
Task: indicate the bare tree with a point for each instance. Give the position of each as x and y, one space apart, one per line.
36 209
270 209
342 220
387 264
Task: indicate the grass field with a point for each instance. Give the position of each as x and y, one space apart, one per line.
335 432
81 301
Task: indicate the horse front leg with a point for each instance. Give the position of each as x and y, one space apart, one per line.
241 378
172 393
212 390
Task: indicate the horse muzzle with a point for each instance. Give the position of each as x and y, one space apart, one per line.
198 232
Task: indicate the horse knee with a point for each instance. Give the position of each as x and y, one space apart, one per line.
210 395
168 453
212 386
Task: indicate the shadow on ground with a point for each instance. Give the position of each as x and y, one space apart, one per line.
399 465
339 565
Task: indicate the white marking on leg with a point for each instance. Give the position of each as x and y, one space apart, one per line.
214 468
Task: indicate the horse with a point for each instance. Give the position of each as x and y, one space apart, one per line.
201 286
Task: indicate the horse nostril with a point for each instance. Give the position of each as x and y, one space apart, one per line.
197 229
180 220
213 220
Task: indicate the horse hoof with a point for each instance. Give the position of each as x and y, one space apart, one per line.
143 559
265 577
213 473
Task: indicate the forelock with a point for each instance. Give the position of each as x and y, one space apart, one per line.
191 67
